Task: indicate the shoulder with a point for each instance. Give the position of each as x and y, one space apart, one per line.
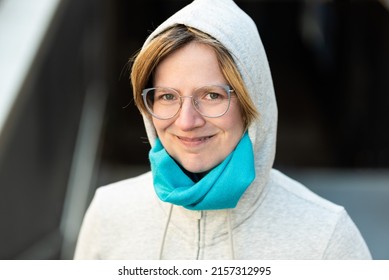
117 218
132 193
141 185
299 210
125 203
297 195
315 220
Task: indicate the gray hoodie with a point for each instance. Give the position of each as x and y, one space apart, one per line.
276 218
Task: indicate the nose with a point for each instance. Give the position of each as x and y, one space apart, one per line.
188 117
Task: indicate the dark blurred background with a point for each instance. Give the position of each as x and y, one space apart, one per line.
73 126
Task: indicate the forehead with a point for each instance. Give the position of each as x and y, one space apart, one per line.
193 65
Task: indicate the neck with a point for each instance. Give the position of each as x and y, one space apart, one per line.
195 177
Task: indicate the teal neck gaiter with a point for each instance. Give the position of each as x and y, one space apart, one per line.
220 188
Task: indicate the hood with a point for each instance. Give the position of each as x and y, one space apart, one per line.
238 33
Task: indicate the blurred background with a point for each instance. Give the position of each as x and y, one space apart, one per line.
68 123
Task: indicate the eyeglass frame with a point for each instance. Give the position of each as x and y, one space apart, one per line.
228 89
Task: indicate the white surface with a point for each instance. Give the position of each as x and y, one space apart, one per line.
23 25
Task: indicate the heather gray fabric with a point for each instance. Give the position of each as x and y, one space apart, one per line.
277 218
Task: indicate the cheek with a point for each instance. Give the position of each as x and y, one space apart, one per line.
234 121
160 126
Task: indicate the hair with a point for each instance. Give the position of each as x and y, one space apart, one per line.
173 38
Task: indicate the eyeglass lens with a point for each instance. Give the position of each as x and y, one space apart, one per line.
209 101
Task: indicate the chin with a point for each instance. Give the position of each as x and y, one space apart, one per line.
193 169
198 167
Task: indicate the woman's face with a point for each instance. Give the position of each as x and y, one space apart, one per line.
196 142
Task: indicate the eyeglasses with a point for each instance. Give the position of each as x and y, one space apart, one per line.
209 101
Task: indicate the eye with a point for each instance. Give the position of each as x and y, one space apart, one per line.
165 96
212 96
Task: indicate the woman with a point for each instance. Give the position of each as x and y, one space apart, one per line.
203 85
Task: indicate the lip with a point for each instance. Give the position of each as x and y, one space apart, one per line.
194 141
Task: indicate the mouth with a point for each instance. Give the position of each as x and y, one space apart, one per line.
194 141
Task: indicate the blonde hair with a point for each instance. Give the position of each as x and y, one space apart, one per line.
174 38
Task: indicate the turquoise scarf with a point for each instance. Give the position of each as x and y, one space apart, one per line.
220 188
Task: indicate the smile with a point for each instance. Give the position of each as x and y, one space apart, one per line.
194 141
